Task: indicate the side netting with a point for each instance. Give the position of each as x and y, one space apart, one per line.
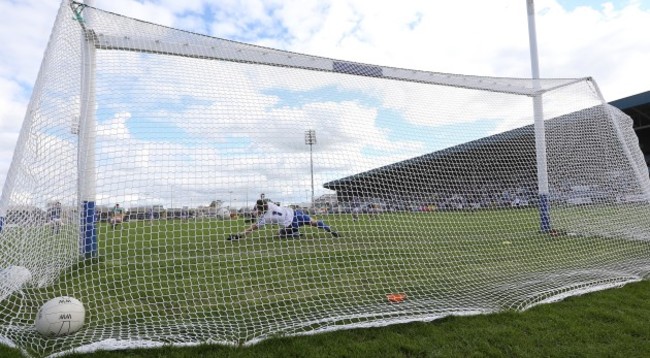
428 180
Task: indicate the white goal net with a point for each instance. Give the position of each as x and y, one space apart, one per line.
428 192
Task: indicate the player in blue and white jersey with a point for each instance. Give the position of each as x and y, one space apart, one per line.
55 217
288 219
356 208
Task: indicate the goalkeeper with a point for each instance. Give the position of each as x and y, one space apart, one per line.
290 221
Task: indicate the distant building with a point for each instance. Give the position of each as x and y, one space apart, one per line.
638 108
492 171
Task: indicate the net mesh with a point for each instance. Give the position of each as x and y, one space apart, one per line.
429 180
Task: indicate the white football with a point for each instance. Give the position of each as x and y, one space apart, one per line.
60 316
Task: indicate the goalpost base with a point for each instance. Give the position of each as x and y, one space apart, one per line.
88 240
544 215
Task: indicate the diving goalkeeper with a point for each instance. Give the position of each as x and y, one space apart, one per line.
288 219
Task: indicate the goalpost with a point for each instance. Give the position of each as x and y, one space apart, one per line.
87 128
540 132
434 182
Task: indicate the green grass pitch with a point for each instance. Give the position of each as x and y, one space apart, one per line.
165 279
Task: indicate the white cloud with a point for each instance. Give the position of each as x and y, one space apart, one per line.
489 38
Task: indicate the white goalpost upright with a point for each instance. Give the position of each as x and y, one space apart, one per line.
540 132
441 189
88 245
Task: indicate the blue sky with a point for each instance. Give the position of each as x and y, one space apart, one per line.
576 38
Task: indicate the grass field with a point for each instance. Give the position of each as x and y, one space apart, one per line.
611 323
176 281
